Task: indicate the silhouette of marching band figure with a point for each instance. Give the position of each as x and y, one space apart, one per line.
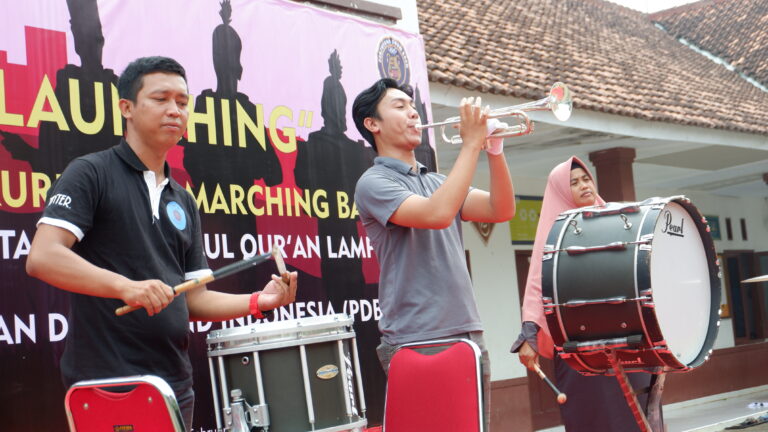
241 163
56 147
331 161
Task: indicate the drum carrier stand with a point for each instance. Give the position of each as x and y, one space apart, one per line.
652 422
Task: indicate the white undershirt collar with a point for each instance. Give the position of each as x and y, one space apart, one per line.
155 191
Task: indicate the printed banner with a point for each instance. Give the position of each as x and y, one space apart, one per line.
271 156
522 227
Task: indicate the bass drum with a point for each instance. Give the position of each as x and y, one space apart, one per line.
639 278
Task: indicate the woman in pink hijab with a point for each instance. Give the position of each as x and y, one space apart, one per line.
595 403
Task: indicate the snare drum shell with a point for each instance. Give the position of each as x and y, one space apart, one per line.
281 371
272 352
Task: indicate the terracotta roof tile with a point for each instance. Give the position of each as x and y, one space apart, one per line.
734 30
614 59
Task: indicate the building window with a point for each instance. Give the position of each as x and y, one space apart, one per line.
743 229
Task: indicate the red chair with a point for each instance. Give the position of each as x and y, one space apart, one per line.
149 406
435 392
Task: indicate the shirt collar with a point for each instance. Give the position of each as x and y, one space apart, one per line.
128 156
400 166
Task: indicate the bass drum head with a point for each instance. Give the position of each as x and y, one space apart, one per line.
680 279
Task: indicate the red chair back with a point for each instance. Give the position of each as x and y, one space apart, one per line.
438 392
149 406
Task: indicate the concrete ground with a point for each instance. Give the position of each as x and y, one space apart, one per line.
713 413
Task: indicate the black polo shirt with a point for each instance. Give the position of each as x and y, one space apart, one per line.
104 199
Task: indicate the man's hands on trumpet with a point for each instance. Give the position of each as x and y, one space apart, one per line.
473 128
476 128
277 293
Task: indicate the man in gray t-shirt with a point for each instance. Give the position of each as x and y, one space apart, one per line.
413 218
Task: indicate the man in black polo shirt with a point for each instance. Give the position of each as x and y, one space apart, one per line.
117 229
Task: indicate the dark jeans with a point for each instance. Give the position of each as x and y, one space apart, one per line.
386 351
186 401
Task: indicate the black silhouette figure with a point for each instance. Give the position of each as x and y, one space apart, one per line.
56 148
241 162
424 152
331 161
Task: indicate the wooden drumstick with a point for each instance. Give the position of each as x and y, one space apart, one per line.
218 274
561 397
281 265
763 278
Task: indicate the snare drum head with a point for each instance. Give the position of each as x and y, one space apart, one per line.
680 279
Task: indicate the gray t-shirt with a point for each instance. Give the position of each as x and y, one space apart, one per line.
425 291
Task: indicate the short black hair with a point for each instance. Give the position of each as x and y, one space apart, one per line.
131 80
367 102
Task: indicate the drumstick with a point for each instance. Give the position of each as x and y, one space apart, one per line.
218 274
763 278
561 397
281 265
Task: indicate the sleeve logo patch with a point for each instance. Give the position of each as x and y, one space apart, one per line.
60 200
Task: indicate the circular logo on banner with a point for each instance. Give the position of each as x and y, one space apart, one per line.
176 215
393 61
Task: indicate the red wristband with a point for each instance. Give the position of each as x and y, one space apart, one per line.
253 305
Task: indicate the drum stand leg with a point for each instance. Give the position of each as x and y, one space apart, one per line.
629 393
654 403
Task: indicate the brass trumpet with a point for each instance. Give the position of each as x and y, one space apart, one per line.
559 102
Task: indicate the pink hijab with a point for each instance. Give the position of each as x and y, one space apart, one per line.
557 199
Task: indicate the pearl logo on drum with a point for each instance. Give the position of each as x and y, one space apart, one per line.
670 228
327 372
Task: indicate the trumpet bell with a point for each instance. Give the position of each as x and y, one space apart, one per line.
561 102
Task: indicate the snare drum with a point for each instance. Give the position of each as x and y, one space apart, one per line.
640 278
287 376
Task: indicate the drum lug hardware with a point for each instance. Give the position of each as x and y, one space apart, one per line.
548 253
645 242
627 223
549 307
245 360
259 415
646 300
241 417
575 225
